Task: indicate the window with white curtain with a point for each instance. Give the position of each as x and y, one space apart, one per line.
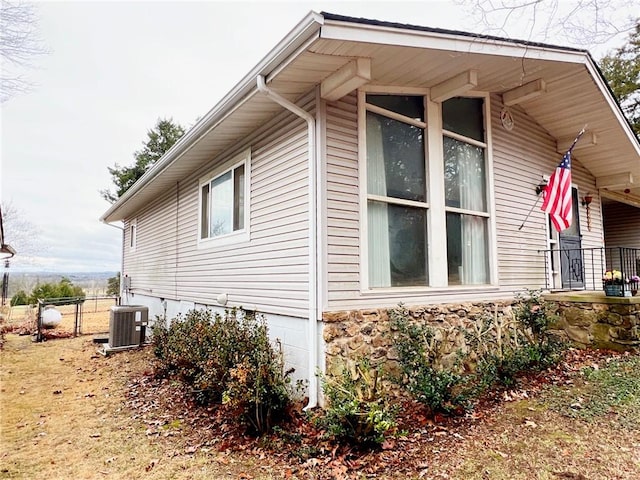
465 183
398 191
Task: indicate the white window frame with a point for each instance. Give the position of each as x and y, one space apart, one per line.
236 236
435 204
133 234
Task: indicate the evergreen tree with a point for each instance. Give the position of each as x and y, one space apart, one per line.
113 285
160 139
621 68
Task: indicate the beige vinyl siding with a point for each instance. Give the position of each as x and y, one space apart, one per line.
270 271
151 265
520 158
621 225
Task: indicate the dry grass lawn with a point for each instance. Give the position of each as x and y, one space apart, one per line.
63 417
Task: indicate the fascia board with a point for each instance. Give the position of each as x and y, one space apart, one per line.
376 34
303 32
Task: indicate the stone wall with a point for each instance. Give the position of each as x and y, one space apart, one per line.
593 320
367 333
590 320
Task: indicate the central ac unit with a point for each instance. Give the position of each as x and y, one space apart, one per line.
127 324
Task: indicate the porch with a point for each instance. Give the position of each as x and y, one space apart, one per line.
591 319
582 270
589 316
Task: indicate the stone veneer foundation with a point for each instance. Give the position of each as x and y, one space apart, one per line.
587 319
591 319
357 334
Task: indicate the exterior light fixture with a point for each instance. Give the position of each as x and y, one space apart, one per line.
541 186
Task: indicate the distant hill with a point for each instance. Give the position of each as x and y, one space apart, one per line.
93 283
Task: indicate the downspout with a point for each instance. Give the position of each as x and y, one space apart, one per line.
121 263
313 279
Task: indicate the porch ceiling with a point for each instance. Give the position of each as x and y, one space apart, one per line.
575 95
318 47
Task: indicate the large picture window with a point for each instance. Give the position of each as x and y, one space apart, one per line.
399 189
465 183
223 202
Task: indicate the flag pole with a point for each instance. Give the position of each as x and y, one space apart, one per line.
580 133
529 214
575 141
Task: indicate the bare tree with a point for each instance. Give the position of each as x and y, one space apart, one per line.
19 44
582 23
20 233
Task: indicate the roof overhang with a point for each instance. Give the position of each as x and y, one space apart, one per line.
562 89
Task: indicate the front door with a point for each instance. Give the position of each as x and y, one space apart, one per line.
571 258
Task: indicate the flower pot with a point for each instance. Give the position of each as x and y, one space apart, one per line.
613 290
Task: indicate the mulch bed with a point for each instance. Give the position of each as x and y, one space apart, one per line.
297 449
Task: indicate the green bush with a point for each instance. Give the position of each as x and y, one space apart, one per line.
113 285
46 291
226 358
525 347
20 298
499 348
257 388
357 408
420 349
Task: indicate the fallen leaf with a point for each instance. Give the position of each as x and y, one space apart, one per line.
152 464
388 444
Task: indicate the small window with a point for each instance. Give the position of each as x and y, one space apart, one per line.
133 234
223 202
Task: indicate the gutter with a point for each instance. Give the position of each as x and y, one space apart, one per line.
313 217
307 30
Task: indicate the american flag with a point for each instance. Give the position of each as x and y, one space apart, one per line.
557 195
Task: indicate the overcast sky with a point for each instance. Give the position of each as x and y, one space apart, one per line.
113 69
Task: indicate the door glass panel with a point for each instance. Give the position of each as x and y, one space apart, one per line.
574 229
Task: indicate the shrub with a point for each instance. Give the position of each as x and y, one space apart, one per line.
526 345
226 358
20 298
44 291
357 406
497 349
533 313
113 285
421 349
257 386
